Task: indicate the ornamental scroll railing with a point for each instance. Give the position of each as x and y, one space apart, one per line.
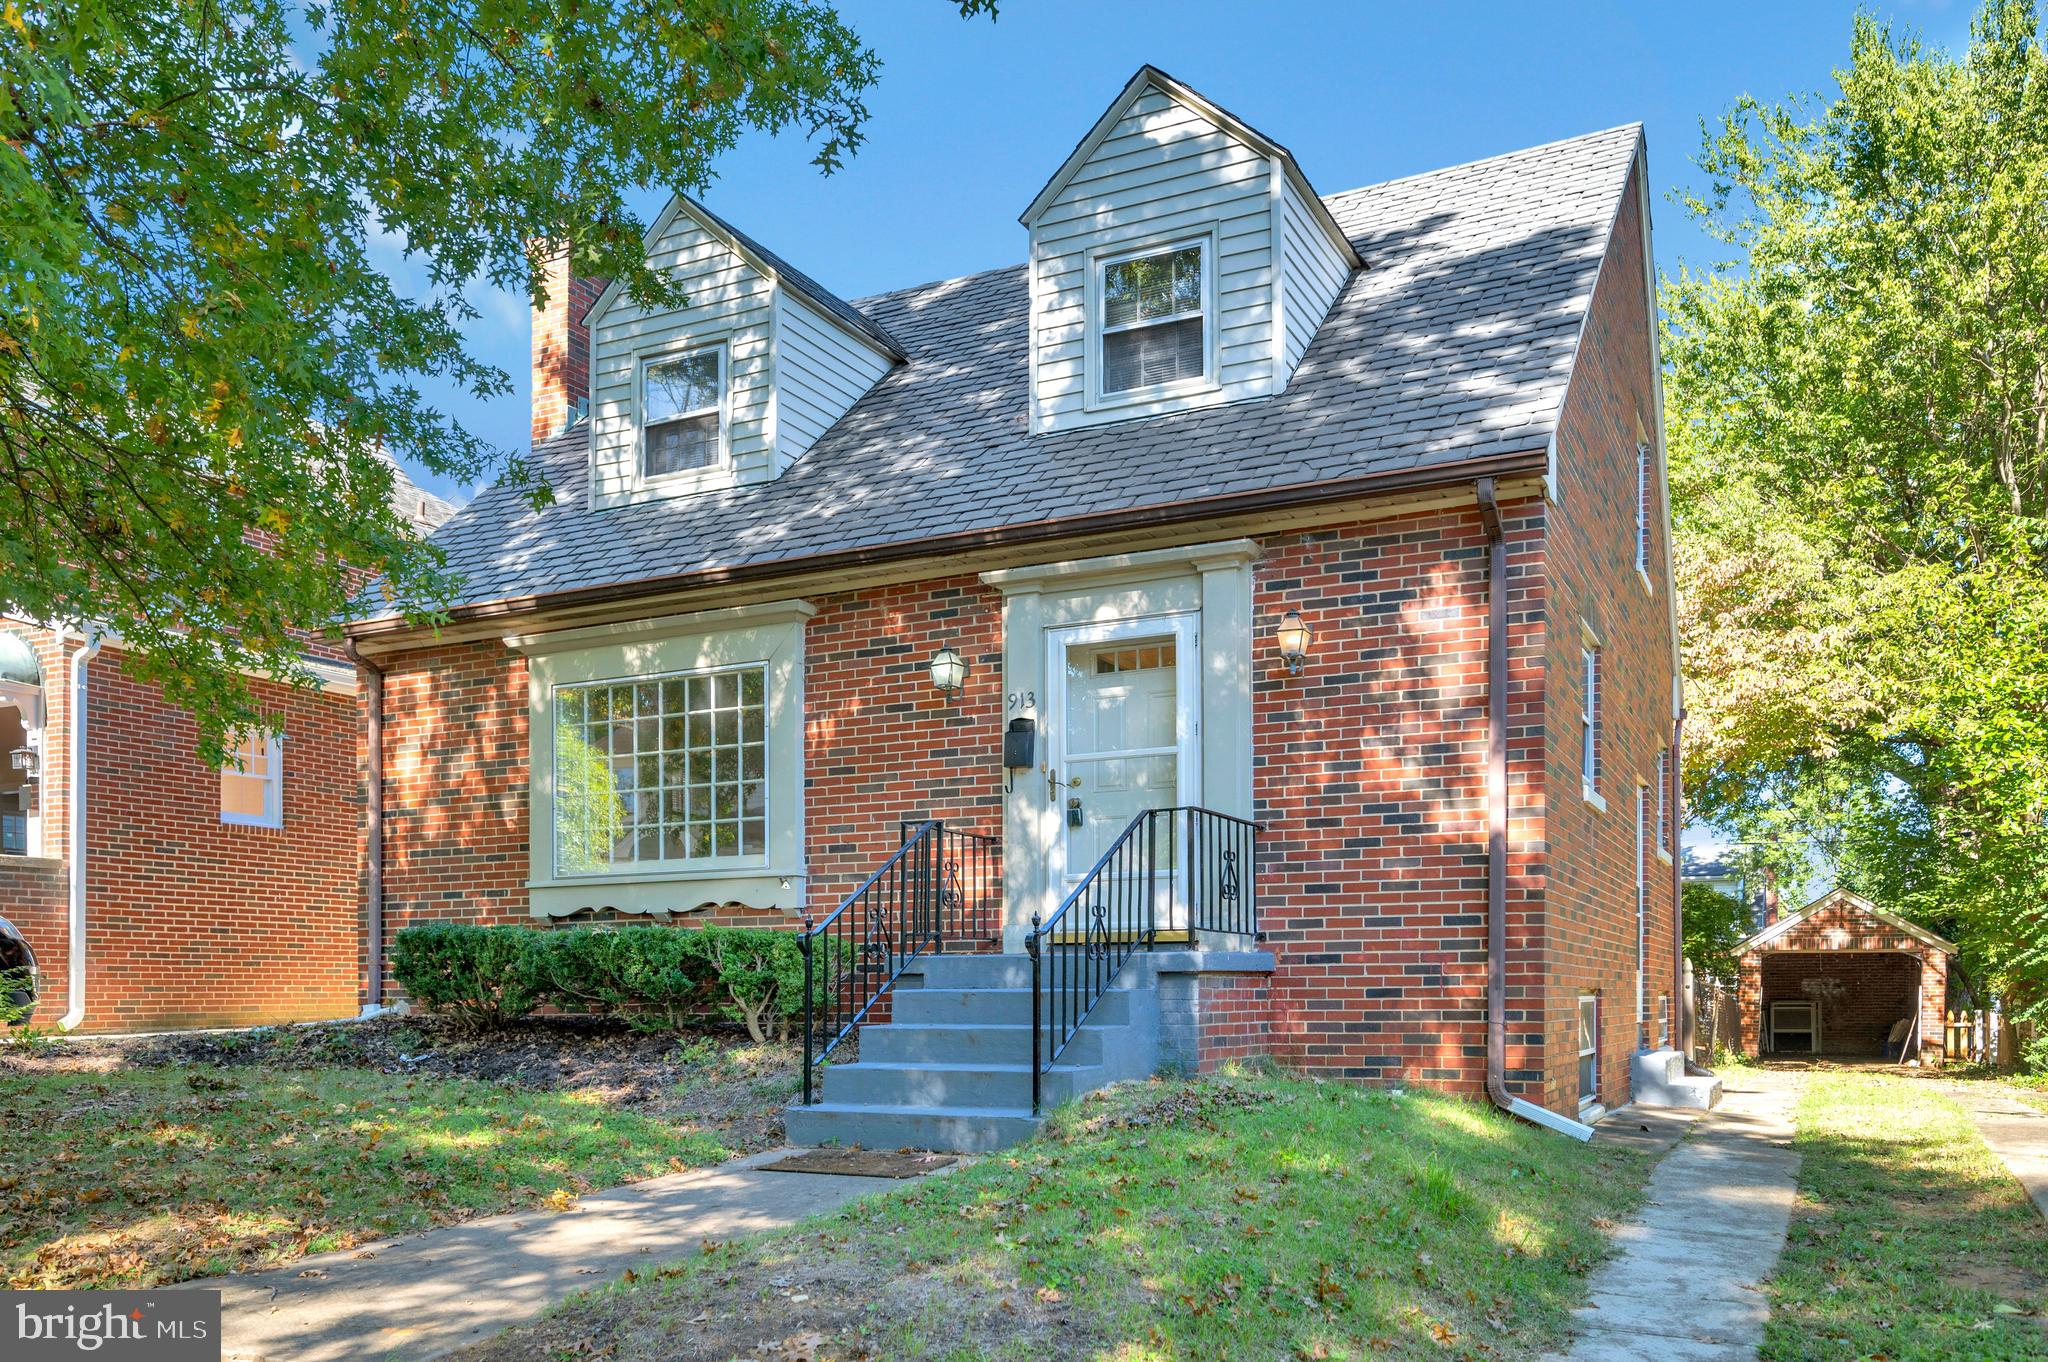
1178 872
939 890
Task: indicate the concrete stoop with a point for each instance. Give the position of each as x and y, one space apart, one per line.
951 1069
1658 1079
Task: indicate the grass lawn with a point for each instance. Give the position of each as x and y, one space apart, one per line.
1249 1216
134 1176
1910 1241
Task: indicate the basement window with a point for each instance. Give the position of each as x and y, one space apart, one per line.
1589 1049
1152 327
252 781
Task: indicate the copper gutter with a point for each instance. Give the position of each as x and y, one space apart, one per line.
373 831
1027 532
1497 826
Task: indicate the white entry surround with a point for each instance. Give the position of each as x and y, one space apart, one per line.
1199 596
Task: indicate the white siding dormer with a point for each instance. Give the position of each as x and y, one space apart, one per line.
1178 260
726 390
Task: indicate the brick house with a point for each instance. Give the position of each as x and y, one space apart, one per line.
1838 977
200 896
1341 516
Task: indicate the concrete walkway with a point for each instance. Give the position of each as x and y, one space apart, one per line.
1684 1288
429 1293
2016 1132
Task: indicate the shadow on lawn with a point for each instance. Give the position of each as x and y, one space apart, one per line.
140 1177
1910 1238
1244 1217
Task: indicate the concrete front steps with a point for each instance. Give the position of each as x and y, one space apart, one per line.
952 1067
1659 1079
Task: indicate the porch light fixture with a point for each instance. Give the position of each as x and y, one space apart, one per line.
949 671
1294 636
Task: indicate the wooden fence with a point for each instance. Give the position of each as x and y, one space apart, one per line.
1972 1036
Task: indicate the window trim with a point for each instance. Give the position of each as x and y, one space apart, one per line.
1590 764
720 466
1645 456
1588 1099
1663 842
1099 263
770 634
713 863
273 789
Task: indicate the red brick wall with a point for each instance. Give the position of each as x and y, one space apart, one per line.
1235 1020
193 922
881 743
1369 773
1593 581
1842 942
190 921
561 347
32 897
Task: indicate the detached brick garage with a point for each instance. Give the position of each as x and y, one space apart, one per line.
1850 971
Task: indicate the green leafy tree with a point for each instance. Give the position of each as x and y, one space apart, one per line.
589 819
200 359
1859 436
1714 923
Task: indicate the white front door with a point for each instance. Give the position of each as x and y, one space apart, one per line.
1125 736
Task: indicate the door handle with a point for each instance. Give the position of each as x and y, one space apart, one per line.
1053 784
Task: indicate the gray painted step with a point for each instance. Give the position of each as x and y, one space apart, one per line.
967 1129
998 1006
961 1043
951 1069
955 1085
1658 1078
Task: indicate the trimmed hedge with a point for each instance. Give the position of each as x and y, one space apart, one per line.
653 977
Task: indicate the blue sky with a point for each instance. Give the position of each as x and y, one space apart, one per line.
970 117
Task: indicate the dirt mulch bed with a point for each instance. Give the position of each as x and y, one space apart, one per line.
713 1076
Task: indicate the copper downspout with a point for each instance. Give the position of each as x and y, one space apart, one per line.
1497 826
373 830
1681 995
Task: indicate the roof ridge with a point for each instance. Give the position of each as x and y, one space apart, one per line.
1636 126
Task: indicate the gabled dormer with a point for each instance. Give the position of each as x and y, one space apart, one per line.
1179 259
732 387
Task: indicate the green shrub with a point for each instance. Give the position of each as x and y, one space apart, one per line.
481 976
17 995
760 974
653 977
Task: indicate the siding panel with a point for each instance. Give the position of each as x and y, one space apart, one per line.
1164 171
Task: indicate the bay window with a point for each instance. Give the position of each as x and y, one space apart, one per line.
667 762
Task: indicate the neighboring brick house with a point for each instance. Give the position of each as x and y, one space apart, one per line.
1850 973
206 897
1111 483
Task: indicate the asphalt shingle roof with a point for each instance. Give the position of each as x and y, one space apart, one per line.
1454 343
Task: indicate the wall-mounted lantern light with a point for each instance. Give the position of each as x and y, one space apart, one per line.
1294 637
949 671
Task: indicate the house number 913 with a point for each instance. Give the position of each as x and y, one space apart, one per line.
1021 700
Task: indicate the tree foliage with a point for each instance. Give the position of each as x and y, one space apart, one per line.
1714 923
201 357
1859 437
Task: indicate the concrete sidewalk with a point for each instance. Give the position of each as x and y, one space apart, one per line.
2016 1132
424 1295
1684 1288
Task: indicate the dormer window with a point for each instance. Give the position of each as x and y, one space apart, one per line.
682 406
1152 320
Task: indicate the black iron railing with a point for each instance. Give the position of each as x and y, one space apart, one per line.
940 888
1171 872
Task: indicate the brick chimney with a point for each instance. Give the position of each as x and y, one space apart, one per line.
561 347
